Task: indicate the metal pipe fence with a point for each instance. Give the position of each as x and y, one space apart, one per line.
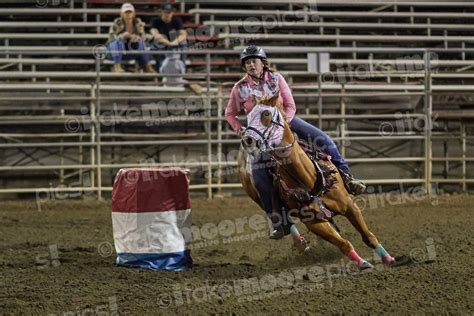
215 138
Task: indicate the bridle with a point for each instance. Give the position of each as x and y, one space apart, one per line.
269 149
266 134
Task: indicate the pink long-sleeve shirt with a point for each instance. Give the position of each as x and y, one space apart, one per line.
244 91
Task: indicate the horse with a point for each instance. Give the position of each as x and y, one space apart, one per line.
312 189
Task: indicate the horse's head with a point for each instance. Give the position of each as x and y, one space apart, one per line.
265 126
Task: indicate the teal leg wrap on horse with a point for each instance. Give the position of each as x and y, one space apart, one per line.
294 231
381 251
386 258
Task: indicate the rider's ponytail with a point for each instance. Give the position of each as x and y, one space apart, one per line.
267 66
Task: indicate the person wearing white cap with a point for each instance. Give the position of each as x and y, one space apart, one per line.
128 33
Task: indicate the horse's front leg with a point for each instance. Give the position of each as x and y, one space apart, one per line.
354 215
324 230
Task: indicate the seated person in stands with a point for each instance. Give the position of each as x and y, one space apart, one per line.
128 33
168 32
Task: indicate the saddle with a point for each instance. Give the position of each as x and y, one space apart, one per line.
325 180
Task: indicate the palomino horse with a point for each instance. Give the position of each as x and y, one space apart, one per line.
267 131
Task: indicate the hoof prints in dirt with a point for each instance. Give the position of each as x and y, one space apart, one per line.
85 279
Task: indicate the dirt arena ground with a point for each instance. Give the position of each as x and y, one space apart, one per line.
60 261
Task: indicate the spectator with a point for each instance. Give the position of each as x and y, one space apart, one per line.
168 32
128 33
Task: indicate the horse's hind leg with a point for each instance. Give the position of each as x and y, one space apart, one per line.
327 232
354 215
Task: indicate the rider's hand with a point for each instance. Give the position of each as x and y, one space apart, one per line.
241 132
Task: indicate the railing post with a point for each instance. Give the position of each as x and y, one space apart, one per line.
320 97
197 15
428 109
98 122
463 155
342 127
81 161
209 126
219 140
98 29
84 15
61 158
92 128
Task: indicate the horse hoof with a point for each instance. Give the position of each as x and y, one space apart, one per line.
365 265
277 234
389 261
302 245
401 261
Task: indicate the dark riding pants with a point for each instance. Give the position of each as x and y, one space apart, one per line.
319 139
264 184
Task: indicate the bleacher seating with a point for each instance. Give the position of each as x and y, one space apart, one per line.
49 73
63 26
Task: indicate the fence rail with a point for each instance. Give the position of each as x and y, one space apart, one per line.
93 142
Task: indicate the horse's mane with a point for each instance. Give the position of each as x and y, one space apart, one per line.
271 101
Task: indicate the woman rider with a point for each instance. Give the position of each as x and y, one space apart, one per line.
258 81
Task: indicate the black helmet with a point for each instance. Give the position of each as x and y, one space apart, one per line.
252 51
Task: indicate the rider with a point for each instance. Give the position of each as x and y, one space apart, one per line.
258 81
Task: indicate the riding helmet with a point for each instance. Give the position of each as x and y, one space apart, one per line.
252 51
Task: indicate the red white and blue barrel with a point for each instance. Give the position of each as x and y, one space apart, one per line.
150 209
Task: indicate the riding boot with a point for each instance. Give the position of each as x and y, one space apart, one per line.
280 221
353 185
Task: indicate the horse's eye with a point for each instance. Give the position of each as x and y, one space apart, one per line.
266 113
